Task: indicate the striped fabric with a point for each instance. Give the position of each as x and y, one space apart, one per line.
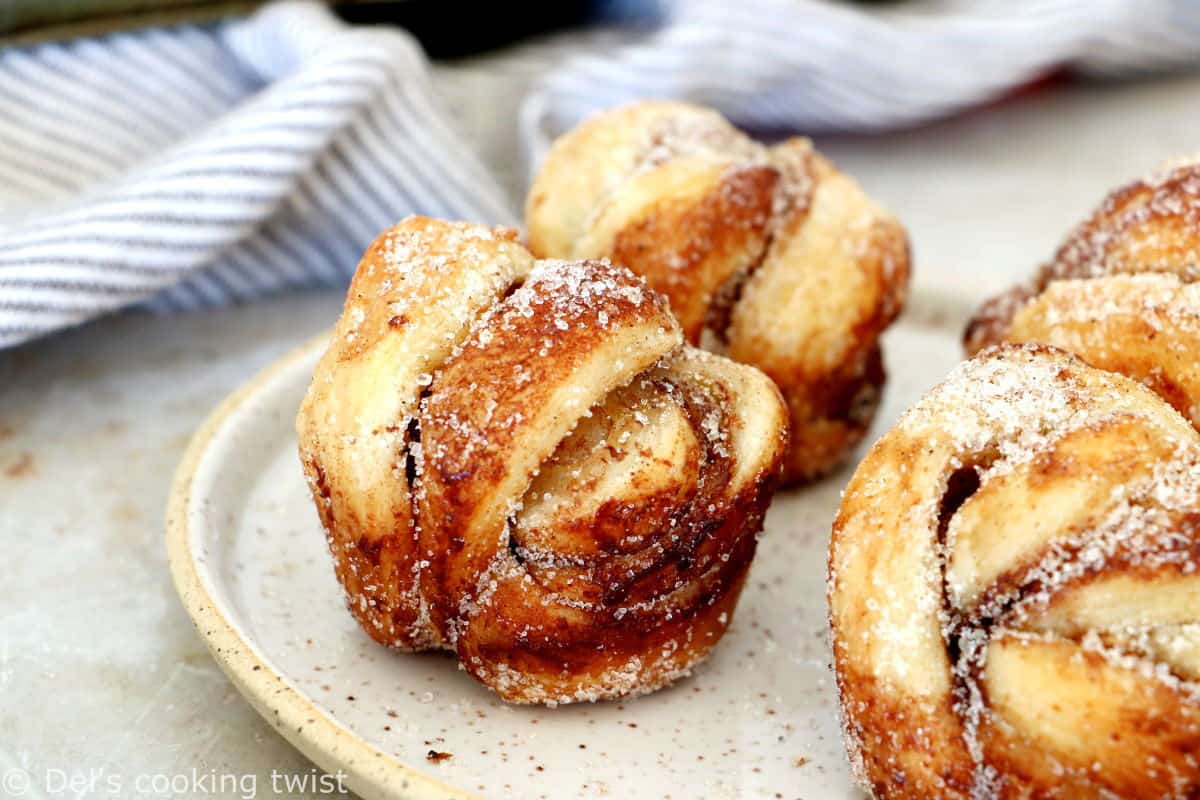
198 166
202 165
819 67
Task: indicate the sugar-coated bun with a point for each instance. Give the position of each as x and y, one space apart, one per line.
1120 292
1014 593
520 461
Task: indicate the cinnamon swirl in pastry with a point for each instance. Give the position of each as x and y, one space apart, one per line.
1120 292
769 255
521 462
1013 588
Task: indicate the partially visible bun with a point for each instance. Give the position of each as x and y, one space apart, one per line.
1121 291
1013 584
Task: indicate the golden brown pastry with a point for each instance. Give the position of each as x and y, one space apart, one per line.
1120 291
1013 589
519 461
767 254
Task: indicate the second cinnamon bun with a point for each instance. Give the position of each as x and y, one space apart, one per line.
769 255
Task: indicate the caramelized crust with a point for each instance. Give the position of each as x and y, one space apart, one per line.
520 462
767 254
1118 292
1013 589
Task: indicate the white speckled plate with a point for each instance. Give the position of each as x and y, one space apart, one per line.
757 720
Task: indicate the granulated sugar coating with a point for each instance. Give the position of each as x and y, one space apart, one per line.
767 254
520 462
1148 226
1121 295
1012 586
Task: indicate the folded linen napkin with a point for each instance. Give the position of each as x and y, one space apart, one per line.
200 165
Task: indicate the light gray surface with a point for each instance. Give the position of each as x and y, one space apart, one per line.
99 666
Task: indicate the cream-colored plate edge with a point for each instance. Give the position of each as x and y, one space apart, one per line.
369 772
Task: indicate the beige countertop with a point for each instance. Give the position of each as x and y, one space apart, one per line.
100 669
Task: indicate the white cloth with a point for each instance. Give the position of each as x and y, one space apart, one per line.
202 165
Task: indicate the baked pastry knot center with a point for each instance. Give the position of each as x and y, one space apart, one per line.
520 461
1013 589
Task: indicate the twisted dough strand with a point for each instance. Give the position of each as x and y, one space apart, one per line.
1120 292
1013 589
769 255
520 462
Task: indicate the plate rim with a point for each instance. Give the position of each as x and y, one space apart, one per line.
370 773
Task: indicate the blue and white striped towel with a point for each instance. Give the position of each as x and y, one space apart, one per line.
209 164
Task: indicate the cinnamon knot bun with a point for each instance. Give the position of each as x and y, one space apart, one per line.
1120 292
519 461
769 255
1013 589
